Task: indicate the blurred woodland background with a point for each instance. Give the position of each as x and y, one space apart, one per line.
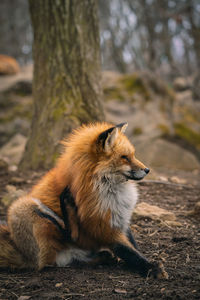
150 69
135 61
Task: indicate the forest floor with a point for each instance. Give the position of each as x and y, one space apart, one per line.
177 246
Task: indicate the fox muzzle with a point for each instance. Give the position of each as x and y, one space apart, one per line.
137 175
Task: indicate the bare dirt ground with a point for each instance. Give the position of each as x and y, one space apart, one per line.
177 247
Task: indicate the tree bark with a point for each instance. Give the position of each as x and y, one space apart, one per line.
195 33
66 85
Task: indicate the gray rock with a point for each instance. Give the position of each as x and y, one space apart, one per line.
3 166
11 195
181 84
163 154
196 211
25 74
144 210
13 150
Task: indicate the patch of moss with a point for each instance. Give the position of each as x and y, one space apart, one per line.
139 86
58 113
191 136
161 88
164 129
137 131
17 112
134 84
113 93
189 114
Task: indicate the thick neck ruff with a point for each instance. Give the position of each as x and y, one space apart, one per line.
118 198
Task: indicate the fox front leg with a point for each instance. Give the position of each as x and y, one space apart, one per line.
69 214
131 238
136 262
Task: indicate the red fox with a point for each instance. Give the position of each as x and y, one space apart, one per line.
80 206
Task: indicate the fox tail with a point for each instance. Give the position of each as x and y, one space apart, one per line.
10 256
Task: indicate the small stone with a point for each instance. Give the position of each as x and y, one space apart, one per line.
187 258
120 291
11 195
176 179
197 208
12 151
15 179
181 84
3 165
12 168
24 297
163 178
59 284
196 211
144 210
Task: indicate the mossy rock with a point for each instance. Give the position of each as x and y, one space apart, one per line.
15 115
18 111
135 84
138 86
116 93
137 131
189 114
164 129
187 134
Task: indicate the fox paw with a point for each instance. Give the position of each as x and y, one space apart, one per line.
104 257
157 271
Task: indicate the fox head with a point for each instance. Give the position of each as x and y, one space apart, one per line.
117 155
100 150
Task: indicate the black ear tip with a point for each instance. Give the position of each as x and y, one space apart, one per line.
121 125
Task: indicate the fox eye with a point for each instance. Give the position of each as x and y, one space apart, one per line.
125 157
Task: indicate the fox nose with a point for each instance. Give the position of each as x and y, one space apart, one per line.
146 170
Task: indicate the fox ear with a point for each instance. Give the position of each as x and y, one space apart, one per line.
108 137
111 139
122 126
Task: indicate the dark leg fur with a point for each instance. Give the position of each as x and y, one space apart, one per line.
131 238
134 260
129 254
138 263
66 197
69 212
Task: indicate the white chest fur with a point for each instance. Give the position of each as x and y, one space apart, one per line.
120 199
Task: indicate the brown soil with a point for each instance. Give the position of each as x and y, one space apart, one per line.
177 247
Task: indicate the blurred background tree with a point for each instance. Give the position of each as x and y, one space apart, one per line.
148 47
142 34
66 84
150 34
134 34
15 30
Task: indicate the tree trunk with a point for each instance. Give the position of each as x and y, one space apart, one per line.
66 85
195 33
